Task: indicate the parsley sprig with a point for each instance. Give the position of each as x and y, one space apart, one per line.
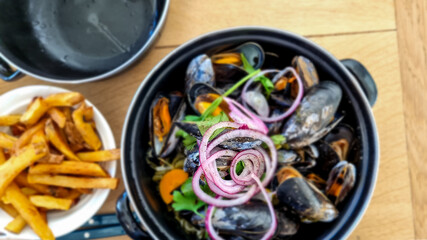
265 81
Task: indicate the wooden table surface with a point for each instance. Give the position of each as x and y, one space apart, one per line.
388 37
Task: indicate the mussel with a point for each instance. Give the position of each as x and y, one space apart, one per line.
192 161
228 65
253 52
201 96
341 139
306 70
200 70
251 220
165 110
303 198
257 101
326 160
340 181
312 120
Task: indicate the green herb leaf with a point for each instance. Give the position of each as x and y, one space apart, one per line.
239 167
188 140
210 121
278 139
211 108
185 199
265 81
192 118
246 65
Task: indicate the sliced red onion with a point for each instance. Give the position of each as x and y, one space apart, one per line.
208 223
257 160
294 105
270 233
240 114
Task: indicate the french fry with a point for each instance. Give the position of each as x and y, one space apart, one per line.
69 167
67 113
58 116
85 129
60 192
74 194
28 191
9 120
7 141
68 99
2 157
88 114
18 129
26 137
56 139
84 190
16 164
34 112
16 225
73 182
99 156
43 213
29 212
9 209
52 158
50 202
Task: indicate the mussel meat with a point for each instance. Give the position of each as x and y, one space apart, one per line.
201 96
165 110
341 180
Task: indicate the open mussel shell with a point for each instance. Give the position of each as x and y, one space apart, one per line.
192 161
165 110
200 70
257 102
201 95
275 127
341 139
303 198
306 70
253 52
340 181
327 159
228 73
312 119
251 221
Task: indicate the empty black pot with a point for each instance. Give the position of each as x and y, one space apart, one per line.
75 41
359 95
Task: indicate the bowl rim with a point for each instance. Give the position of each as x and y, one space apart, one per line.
147 45
99 196
335 61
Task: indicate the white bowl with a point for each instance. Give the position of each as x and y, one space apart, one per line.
61 222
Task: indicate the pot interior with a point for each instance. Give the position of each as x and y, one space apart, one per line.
67 40
170 74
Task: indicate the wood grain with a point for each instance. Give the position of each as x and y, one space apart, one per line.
412 35
188 19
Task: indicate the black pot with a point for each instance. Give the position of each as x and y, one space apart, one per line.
359 91
75 41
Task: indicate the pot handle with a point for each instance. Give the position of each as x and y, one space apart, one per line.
127 220
364 78
6 72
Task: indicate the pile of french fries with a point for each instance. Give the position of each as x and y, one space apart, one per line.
48 159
